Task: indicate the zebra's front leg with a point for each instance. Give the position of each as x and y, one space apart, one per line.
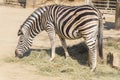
91 43
51 34
64 45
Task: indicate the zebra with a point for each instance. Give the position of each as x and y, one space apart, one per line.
68 22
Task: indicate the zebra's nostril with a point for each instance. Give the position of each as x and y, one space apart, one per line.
18 54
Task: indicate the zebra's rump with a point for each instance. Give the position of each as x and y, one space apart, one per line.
70 21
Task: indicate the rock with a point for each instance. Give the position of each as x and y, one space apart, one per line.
113 60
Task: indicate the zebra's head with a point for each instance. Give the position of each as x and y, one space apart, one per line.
24 43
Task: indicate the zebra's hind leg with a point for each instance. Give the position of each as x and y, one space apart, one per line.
91 43
64 45
51 34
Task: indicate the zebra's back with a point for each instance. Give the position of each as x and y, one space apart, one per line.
72 22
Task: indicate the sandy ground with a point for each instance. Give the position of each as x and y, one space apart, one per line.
10 21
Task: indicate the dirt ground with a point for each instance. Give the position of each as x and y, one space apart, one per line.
10 21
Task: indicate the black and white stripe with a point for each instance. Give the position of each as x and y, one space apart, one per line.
69 22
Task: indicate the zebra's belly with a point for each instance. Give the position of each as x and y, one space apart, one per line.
70 36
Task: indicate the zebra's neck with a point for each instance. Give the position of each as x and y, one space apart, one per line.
34 22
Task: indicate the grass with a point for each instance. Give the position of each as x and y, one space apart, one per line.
74 68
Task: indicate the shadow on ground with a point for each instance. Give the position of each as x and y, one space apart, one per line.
77 52
109 25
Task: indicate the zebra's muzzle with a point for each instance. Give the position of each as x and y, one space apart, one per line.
17 54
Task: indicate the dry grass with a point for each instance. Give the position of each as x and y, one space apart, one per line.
74 68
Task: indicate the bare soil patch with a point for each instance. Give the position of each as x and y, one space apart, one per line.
10 21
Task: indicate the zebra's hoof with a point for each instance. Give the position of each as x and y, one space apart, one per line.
51 59
93 70
67 57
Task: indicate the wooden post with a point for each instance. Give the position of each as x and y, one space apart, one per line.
108 4
117 16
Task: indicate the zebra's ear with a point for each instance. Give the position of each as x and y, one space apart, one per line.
20 32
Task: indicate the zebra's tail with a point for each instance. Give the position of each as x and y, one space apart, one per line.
100 38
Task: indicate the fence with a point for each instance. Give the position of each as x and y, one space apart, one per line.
109 6
100 4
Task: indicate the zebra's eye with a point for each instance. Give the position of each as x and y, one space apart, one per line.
21 41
